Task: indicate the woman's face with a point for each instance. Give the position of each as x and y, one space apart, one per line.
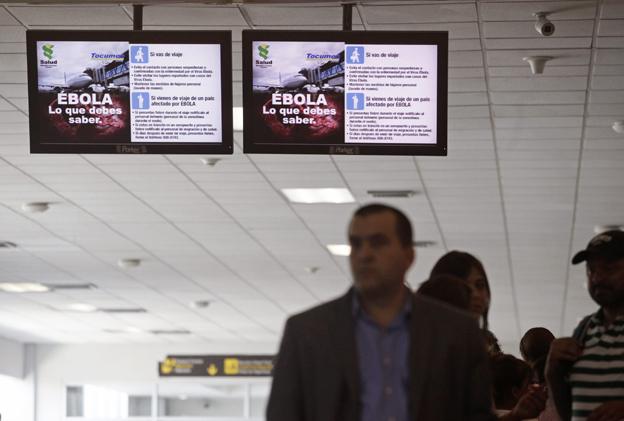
479 298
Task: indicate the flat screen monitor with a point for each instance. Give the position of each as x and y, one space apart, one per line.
145 92
345 92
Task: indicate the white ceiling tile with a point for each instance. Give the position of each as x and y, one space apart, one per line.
519 123
540 98
467 85
414 13
266 15
607 83
608 70
462 112
609 56
517 43
613 96
70 15
12 47
606 109
575 110
12 117
466 72
12 62
12 77
457 30
610 42
611 27
513 11
549 71
465 59
539 133
472 98
191 15
13 34
563 57
464 44
14 90
526 29
538 84
612 9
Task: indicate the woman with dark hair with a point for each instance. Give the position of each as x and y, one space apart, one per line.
468 268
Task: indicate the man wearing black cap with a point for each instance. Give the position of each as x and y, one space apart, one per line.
585 373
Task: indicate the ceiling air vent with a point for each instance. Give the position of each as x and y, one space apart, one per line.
424 244
123 310
70 287
7 245
171 332
389 194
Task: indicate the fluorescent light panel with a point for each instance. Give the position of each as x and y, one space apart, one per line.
323 195
339 249
21 287
81 307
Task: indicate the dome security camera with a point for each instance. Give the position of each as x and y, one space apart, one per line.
543 26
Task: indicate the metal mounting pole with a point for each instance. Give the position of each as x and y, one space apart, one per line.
347 16
137 14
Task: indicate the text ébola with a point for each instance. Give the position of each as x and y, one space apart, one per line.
85 99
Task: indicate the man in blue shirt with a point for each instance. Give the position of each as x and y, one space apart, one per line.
380 353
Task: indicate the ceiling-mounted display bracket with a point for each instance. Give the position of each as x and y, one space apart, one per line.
347 16
137 17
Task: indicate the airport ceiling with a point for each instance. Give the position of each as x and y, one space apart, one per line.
533 167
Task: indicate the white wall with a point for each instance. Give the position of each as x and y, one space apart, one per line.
11 358
17 377
60 365
15 399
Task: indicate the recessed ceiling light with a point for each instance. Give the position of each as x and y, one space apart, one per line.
618 127
345 249
424 244
71 287
128 263
81 307
237 119
20 287
35 207
322 195
200 303
123 310
211 162
129 329
171 332
312 269
392 193
599 229
339 249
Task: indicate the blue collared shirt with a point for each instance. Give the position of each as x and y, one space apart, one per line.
383 366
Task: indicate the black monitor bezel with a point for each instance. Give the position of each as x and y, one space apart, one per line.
222 38
439 38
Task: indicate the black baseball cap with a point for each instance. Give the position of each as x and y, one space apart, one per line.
609 244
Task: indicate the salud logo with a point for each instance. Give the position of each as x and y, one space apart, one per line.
263 51
48 51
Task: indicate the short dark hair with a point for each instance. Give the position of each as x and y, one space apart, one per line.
403 225
449 289
508 372
460 263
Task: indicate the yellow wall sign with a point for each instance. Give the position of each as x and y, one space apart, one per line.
217 366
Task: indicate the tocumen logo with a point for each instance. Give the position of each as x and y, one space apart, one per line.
48 51
263 51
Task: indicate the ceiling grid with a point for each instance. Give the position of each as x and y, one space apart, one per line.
533 166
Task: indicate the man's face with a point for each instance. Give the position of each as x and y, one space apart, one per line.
606 281
378 259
